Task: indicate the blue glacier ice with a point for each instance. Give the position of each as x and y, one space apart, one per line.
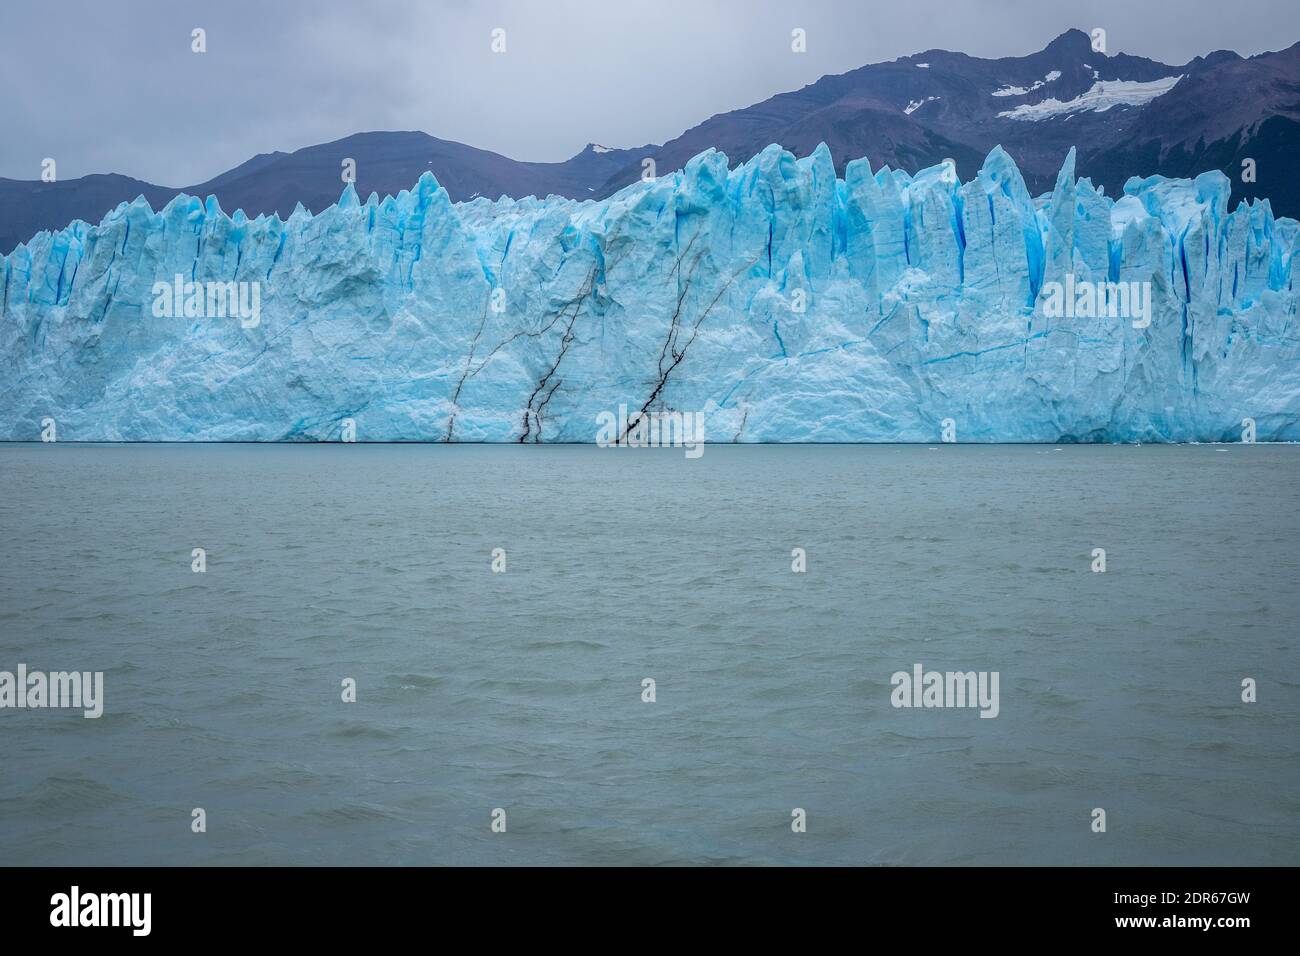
783 302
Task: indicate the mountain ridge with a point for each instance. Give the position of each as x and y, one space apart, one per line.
908 113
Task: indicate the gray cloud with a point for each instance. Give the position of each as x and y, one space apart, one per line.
113 87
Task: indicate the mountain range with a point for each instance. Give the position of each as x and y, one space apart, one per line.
1126 116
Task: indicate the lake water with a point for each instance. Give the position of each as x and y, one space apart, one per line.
523 691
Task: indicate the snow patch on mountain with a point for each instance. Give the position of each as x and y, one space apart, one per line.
1051 77
1102 96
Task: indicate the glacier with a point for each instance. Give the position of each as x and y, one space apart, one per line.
785 303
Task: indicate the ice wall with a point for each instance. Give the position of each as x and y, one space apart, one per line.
785 303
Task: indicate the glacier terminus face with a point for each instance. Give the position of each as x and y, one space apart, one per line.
776 301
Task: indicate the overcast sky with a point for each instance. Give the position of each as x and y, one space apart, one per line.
112 85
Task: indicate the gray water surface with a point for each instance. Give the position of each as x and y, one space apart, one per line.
522 690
